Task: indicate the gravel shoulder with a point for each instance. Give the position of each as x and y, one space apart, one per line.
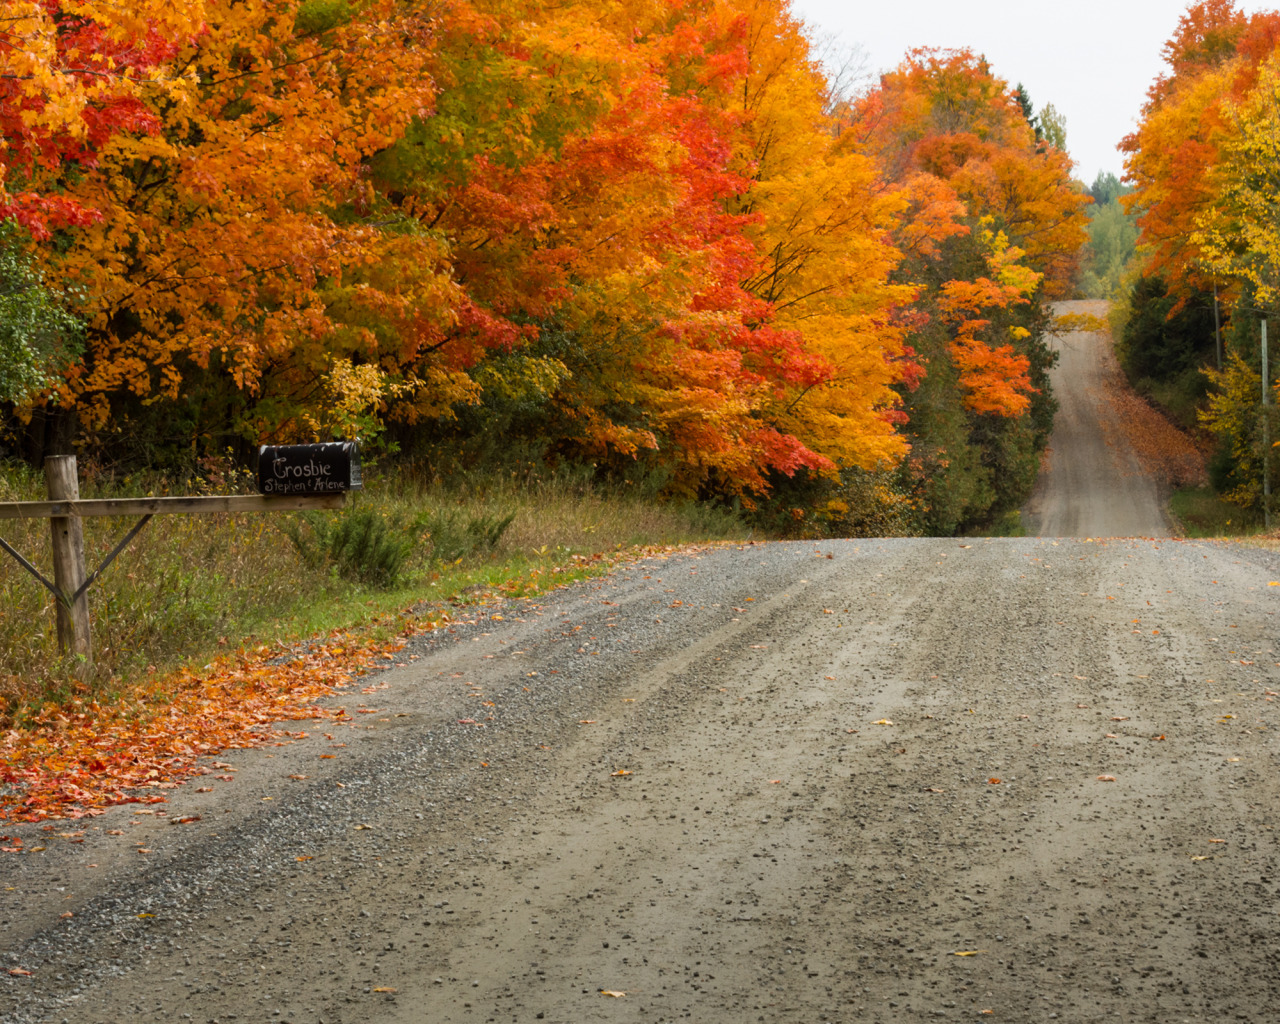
774 854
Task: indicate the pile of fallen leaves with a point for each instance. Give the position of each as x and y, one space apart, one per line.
75 760
1166 452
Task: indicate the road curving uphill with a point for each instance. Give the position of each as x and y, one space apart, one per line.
1093 483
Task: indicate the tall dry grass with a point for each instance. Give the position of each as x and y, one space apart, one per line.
192 585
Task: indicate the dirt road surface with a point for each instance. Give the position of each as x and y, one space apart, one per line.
862 781
1093 483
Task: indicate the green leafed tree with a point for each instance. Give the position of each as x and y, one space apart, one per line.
38 333
1053 127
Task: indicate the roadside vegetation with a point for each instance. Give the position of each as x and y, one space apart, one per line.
405 550
572 296
1188 319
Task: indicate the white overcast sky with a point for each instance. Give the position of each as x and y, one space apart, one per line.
1092 59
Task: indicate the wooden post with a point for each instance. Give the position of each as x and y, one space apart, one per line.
1217 325
68 562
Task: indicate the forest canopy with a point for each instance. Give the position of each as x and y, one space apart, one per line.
651 238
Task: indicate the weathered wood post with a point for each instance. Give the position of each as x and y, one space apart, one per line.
68 563
291 477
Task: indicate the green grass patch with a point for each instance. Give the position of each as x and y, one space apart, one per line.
192 586
1202 513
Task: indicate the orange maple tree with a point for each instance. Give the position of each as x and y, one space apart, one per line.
73 77
1213 58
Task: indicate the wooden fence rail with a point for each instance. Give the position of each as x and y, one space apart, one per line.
65 510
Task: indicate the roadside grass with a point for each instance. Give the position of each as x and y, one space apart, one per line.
1006 524
191 587
1202 513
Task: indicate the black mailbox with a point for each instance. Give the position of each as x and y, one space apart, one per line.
309 468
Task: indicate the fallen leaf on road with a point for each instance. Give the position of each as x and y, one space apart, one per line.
1203 857
1112 736
1106 778
1156 739
611 994
363 827
932 790
384 988
775 782
620 771
993 781
186 819
299 777
18 972
1082 707
588 721
883 721
968 952
827 611
830 678
1217 840
303 858
66 913
1232 760
1119 718
466 721
759 647
327 757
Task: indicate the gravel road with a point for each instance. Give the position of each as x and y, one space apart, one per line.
857 781
1093 483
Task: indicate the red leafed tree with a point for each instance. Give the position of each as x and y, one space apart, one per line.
73 75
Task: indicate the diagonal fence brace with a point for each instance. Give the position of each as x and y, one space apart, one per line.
33 570
90 579
137 528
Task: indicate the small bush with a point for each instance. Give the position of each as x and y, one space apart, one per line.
360 545
454 536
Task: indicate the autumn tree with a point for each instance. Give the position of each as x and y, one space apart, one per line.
1205 200
73 77
652 238
994 224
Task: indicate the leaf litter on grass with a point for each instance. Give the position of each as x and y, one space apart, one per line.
76 759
